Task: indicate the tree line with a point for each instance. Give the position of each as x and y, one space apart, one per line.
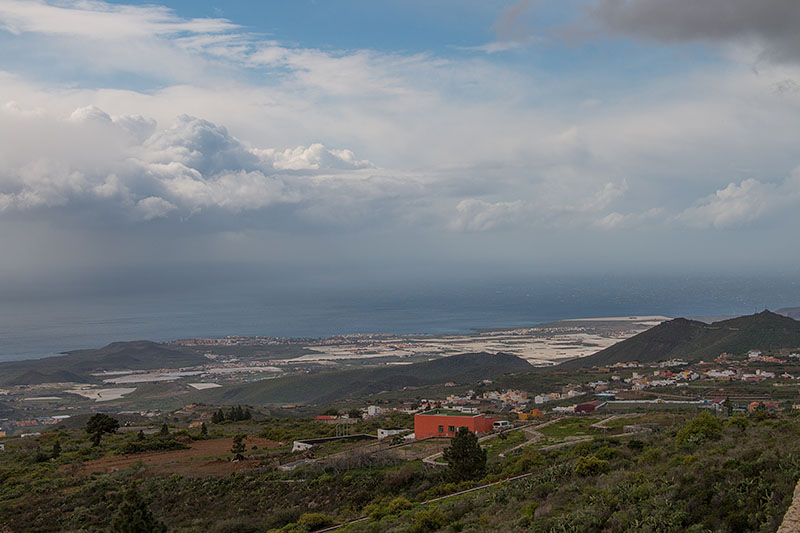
235 414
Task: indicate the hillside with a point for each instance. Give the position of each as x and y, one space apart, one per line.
77 366
694 341
332 386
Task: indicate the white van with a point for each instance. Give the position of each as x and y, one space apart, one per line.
501 424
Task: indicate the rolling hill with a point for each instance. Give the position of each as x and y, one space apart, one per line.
694 341
77 366
331 386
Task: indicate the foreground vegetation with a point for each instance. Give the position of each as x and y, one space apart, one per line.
696 473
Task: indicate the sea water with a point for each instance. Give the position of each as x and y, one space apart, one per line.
47 325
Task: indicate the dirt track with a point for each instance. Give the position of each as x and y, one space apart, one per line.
204 458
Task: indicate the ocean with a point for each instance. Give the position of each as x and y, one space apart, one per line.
43 326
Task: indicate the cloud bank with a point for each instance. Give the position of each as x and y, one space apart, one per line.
132 117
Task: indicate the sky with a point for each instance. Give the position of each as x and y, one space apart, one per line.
347 140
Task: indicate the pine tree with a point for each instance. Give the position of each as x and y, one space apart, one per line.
203 430
164 430
99 424
56 449
238 446
465 457
247 415
134 516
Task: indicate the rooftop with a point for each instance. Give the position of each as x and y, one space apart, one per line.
447 412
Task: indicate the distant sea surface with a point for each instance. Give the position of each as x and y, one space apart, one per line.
43 326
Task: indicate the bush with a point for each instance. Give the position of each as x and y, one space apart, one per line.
134 516
429 520
398 505
590 466
700 428
314 521
235 525
635 444
156 443
529 510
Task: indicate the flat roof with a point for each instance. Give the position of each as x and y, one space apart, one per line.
447 412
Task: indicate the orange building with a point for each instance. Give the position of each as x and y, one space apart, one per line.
445 423
535 413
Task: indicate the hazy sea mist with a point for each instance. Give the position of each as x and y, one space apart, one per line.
48 324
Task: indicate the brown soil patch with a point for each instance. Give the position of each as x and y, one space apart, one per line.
203 458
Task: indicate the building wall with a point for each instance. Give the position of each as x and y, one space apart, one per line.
446 425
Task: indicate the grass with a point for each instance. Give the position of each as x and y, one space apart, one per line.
570 427
498 445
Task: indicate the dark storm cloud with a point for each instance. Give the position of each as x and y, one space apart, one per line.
772 24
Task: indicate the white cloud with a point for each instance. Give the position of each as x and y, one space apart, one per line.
741 204
613 221
363 137
100 20
188 167
153 207
477 215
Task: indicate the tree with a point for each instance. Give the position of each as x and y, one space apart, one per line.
56 449
354 413
238 446
99 424
203 430
134 516
465 457
164 430
218 417
140 435
728 406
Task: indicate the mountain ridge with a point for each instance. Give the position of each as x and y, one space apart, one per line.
692 340
78 365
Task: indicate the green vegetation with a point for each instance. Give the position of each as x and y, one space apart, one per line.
235 414
700 429
465 457
134 516
696 473
99 424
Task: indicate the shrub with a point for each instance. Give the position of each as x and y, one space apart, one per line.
134 516
590 466
314 521
429 520
635 444
529 510
235 525
700 428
